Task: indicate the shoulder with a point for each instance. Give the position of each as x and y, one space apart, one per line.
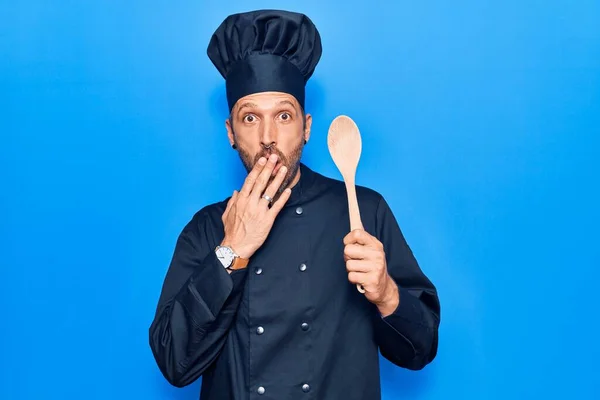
366 195
368 198
207 218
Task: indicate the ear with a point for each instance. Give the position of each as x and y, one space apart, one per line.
230 135
307 129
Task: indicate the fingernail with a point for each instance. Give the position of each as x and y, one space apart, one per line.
273 157
283 169
262 161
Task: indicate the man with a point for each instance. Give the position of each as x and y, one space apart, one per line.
260 298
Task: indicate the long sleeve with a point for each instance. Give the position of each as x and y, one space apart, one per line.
197 306
409 336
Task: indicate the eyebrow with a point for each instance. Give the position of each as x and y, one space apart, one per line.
246 105
288 103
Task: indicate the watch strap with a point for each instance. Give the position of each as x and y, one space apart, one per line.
239 263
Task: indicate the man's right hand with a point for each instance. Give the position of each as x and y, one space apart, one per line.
248 218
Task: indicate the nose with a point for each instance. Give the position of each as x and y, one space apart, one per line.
268 135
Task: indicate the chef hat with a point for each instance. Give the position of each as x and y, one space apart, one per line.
265 50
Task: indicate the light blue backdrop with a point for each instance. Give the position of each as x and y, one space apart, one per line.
480 124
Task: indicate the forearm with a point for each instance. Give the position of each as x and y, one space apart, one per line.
408 334
191 327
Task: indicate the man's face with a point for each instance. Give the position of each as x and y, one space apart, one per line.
269 123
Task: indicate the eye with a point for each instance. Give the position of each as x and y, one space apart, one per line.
285 116
249 118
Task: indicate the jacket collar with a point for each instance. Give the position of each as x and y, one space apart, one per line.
301 189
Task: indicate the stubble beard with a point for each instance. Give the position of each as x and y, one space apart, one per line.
291 161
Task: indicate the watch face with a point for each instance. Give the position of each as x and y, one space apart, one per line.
225 255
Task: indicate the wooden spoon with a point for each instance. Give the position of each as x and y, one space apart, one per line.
345 147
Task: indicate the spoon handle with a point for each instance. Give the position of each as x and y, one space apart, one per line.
355 221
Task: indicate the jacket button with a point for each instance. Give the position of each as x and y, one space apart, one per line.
304 326
299 210
258 270
305 387
260 330
260 390
302 267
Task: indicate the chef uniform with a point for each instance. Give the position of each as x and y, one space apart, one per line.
288 325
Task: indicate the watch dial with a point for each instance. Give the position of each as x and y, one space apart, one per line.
225 255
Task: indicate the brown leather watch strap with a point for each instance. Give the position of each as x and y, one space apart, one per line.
239 263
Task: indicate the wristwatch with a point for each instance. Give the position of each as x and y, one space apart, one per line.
229 258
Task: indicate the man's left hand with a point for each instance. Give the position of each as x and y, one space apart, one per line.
366 265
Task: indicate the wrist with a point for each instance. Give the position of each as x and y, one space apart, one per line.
239 250
391 298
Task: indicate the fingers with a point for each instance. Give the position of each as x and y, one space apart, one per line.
362 237
359 236
359 278
356 252
274 186
358 266
252 177
263 178
231 201
278 205
229 204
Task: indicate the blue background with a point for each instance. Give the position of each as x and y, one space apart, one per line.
480 124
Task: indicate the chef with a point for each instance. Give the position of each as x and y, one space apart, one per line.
260 299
